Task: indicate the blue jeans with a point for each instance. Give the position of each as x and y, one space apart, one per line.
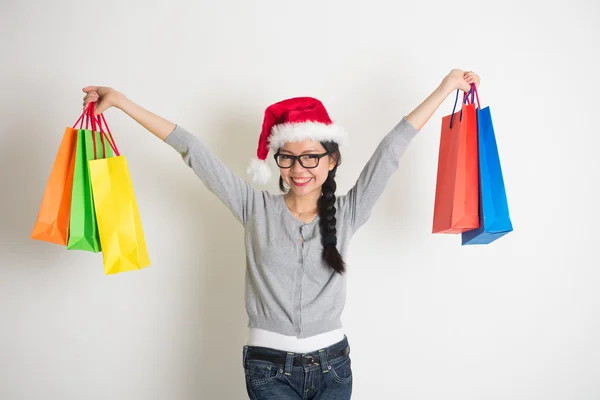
324 374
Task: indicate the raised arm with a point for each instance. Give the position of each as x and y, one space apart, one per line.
233 191
106 97
384 162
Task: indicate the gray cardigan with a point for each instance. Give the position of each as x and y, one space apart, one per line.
289 289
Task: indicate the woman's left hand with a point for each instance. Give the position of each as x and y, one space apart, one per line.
456 79
459 79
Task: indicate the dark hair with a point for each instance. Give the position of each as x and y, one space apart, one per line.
327 210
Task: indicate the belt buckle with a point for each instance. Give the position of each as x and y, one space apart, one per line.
311 358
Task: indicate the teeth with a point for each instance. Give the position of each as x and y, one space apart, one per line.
304 180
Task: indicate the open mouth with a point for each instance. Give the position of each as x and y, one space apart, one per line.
300 181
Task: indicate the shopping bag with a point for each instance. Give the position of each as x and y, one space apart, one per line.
495 220
83 230
119 223
456 207
52 223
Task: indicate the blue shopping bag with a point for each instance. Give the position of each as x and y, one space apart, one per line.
494 215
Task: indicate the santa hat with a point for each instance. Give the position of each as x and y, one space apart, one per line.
292 120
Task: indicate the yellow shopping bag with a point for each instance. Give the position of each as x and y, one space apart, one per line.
119 224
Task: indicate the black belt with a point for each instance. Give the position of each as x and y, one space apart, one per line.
299 360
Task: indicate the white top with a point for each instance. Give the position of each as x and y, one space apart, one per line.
262 338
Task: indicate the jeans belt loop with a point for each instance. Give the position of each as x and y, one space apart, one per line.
289 362
324 362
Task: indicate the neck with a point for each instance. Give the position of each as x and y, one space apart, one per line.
302 204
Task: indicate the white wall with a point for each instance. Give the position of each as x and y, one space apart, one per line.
427 318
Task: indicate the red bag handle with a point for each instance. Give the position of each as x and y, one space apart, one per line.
92 117
83 115
88 115
111 142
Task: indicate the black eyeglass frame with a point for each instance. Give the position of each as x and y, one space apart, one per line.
297 158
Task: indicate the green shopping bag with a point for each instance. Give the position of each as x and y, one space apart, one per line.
83 227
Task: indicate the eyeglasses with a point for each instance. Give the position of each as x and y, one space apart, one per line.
306 160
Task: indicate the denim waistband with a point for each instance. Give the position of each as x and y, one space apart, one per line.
321 357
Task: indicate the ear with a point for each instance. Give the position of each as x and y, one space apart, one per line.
332 162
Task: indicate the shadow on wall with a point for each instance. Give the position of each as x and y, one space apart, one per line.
23 175
206 358
214 362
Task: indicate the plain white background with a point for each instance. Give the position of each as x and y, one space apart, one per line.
427 318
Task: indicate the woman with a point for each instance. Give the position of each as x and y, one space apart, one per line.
295 242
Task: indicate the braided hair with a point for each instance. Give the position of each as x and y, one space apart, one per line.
327 210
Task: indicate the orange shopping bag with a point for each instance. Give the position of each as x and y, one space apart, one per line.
52 224
456 207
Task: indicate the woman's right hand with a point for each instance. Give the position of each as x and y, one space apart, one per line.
104 97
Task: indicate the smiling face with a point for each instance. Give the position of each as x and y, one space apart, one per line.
300 180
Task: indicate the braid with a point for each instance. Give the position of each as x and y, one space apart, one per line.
326 205
327 223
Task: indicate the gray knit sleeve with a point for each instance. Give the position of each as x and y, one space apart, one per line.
232 190
373 179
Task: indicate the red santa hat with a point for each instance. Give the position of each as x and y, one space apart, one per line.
292 120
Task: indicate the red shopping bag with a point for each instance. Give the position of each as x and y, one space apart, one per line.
456 207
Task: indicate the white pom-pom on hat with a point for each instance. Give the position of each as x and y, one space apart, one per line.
259 170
